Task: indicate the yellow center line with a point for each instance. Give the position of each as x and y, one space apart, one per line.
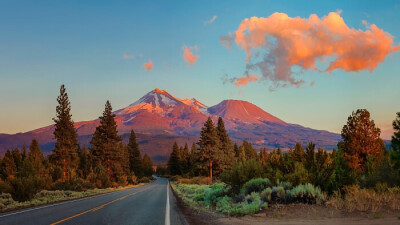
98 207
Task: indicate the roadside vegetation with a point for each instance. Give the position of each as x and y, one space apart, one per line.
43 197
27 177
361 175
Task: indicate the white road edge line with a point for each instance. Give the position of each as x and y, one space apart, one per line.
167 219
61 203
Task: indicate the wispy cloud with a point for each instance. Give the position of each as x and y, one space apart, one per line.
276 44
242 81
128 56
149 65
188 56
210 21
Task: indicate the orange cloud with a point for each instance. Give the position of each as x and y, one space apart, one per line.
188 55
274 45
126 56
242 81
149 65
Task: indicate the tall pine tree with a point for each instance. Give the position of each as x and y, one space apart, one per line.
65 151
105 144
35 157
135 158
209 145
226 147
174 164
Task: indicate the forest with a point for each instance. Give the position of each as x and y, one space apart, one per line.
361 174
106 163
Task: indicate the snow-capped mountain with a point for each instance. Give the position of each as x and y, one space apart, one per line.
160 118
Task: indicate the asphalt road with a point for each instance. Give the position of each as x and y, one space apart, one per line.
147 204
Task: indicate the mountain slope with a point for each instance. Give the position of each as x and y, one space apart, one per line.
160 118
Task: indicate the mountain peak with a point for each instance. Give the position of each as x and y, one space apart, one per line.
157 90
242 111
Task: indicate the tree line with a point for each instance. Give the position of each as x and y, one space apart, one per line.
361 158
106 163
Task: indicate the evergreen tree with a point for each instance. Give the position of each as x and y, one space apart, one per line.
65 151
236 150
105 145
24 152
148 165
35 157
298 153
251 153
209 146
186 158
360 139
85 164
263 155
193 158
8 167
395 143
17 158
135 158
174 165
226 147
310 158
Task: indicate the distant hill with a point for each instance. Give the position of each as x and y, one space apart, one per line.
159 119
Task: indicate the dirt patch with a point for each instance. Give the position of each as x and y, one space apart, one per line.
196 217
302 214
293 214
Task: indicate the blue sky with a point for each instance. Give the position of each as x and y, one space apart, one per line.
44 44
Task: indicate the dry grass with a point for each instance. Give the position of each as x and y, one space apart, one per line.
46 197
366 200
195 180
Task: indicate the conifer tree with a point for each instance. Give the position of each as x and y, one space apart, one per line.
209 146
174 165
35 157
8 167
193 158
105 144
251 153
310 158
24 152
298 153
148 165
263 155
395 143
65 151
236 150
186 158
361 139
17 158
226 147
135 158
85 164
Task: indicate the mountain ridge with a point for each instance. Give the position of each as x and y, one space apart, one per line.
158 113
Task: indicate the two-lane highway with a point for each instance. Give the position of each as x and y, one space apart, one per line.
149 204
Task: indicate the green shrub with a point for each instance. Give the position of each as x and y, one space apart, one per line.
244 208
306 193
225 205
266 194
212 194
241 173
255 185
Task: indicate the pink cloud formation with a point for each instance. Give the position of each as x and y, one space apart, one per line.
188 55
276 44
242 81
126 56
149 65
